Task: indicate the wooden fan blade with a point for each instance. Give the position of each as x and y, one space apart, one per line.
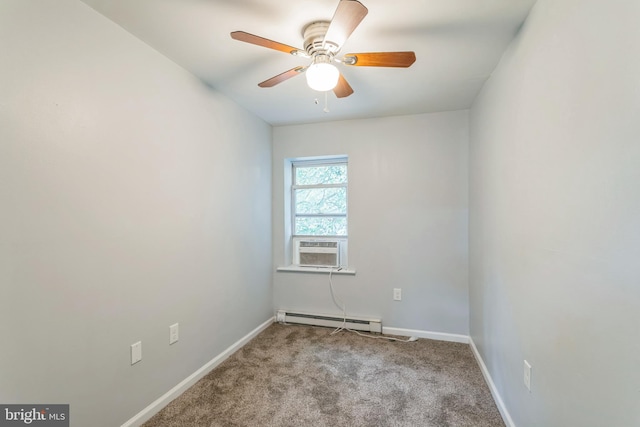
347 17
282 77
261 41
342 89
381 59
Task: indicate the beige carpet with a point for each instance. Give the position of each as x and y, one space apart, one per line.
303 376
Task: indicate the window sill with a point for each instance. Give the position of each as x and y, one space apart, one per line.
320 270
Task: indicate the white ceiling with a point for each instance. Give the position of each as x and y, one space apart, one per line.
457 44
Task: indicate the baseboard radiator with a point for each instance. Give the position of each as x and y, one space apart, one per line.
331 321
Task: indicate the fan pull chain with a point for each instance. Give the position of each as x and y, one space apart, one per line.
326 102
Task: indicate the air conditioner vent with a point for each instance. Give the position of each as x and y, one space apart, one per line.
318 252
316 244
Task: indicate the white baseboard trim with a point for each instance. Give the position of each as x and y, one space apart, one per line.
176 391
506 417
440 336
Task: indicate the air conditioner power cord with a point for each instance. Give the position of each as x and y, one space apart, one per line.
343 308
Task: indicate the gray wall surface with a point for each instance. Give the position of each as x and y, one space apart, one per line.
131 195
555 216
407 220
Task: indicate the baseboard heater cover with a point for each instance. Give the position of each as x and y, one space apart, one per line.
331 321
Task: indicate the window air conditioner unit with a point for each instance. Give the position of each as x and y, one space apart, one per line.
317 252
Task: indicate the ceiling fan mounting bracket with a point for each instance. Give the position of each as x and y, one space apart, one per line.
350 60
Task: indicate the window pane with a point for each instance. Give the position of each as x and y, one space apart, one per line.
324 226
313 175
321 201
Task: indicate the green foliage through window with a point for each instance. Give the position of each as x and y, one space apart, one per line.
329 174
320 199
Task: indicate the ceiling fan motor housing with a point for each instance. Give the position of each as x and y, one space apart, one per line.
314 40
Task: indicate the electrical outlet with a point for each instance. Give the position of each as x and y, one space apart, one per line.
136 352
527 375
173 333
397 294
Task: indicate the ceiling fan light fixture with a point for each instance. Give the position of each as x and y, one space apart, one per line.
322 76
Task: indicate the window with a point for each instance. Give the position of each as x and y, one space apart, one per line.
319 198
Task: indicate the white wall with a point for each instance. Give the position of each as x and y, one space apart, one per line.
130 194
555 216
407 219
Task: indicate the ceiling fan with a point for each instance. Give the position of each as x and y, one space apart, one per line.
322 42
